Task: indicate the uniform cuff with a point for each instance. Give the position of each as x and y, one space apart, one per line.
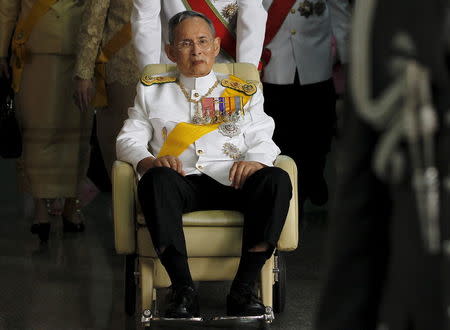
261 158
137 157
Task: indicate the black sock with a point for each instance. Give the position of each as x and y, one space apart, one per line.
249 268
177 267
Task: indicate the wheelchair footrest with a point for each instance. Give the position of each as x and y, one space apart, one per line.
215 322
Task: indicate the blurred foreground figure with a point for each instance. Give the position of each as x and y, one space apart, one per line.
388 263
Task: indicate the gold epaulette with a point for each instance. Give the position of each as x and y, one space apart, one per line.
239 85
148 80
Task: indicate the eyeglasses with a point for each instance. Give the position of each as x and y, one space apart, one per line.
203 44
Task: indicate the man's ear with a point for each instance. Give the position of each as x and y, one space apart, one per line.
170 53
216 45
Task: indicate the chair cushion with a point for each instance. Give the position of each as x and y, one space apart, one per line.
200 242
214 218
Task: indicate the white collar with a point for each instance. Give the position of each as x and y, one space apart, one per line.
198 83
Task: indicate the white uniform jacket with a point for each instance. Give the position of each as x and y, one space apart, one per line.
148 16
160 107
304 43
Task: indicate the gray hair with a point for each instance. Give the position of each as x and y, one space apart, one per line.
181 16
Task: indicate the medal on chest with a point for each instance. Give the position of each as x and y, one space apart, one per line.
214 110
307 8
231 151
229 129
223 110
230 11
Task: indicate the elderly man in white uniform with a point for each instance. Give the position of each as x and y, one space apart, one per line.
239 23
298 67
200 140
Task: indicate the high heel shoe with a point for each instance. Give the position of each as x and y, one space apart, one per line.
42 230
74 227
41 226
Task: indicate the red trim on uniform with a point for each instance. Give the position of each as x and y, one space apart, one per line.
228 41
276 15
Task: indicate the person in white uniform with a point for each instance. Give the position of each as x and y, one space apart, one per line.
239 23
200 140
298 70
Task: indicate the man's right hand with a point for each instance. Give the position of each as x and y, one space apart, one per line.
4 68
84 92
165 161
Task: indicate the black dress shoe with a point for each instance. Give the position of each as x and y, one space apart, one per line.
243 301
72 227
42 230
183 303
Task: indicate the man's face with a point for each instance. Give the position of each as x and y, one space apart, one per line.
194 48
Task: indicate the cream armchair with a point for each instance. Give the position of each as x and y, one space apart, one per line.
213 238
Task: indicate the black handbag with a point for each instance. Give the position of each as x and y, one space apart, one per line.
10 135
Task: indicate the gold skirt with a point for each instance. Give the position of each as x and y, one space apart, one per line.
55 132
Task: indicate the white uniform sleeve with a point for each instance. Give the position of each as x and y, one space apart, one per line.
250 31
258 138
340 13
146 30
132 141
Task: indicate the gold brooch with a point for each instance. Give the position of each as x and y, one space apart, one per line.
229 129
306 8
229 11
231 151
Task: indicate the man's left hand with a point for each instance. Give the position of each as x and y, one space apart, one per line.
241 171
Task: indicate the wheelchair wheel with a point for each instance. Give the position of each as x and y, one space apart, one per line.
130 284
279 288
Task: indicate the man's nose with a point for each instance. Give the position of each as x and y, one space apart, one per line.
196 50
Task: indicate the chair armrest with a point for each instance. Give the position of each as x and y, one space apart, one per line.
289 235
123 199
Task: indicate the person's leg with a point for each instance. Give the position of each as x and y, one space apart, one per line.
312 120
164 196
289 134
316 127
266 196
284 116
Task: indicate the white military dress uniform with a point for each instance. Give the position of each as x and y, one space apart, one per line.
303 43
302 47
160 107
248 24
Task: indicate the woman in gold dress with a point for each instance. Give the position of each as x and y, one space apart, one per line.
55 133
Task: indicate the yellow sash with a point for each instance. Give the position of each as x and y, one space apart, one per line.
184 134
21 35
120 39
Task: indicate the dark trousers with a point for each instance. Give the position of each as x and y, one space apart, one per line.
305 128
165 195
